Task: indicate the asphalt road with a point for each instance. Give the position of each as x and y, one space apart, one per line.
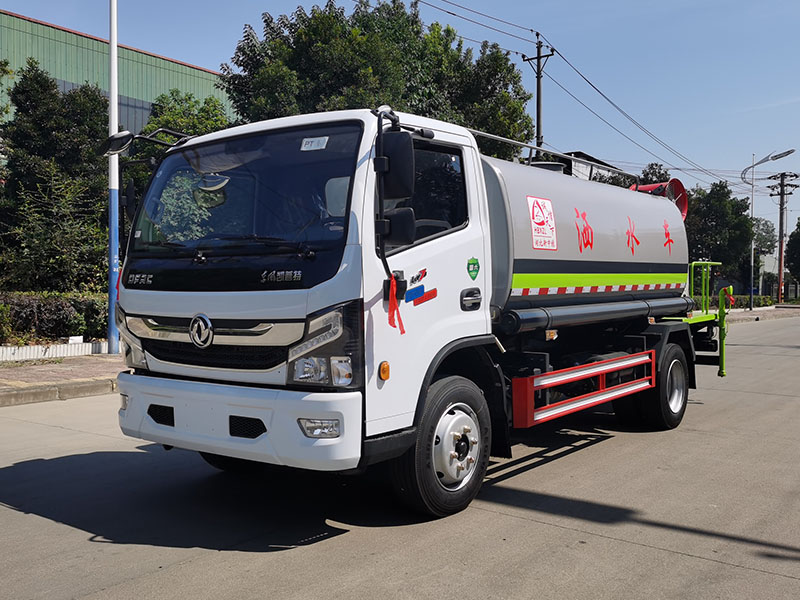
585 509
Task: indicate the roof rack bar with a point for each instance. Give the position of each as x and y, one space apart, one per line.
554 153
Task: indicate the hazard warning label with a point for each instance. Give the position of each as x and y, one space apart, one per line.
543 224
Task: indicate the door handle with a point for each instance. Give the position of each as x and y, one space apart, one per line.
470 299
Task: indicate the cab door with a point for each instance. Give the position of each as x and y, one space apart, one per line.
447 273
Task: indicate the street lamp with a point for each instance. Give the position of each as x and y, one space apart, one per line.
752 182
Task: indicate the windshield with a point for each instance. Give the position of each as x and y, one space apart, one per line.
276 192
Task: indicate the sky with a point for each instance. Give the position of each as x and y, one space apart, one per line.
713 79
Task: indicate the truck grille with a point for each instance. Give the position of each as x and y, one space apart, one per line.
246 427
253 358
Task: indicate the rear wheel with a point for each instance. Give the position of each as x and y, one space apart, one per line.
443 471
665 405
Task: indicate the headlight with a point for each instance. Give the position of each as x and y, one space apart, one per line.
331 352
131 347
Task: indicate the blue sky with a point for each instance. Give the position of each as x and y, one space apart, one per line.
714 79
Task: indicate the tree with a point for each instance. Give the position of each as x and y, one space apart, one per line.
52 138
381 54
5 71
179 112
654 173
718 227
48 126
764 236
792 252
57 244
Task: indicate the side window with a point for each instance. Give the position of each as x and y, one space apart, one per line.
440 195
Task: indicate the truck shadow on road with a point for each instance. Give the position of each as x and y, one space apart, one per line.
173 499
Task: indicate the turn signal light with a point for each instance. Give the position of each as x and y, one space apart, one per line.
383 370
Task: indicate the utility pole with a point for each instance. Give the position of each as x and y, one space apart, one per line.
113 182
783 186
541 61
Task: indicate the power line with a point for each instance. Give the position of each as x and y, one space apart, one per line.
479 13
451 13
586 79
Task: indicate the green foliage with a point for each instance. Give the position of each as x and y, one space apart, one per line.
49 126
5 71
57 243
179 112
718 227
380 54
186 114
52 143
6 324
740 301
792 252
49 315
654 173
765 237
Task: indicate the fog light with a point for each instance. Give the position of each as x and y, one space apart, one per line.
319 428
311 369
123 402
341 370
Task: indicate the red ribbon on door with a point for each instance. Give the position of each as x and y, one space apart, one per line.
394 308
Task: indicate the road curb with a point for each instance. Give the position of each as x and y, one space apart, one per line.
61 391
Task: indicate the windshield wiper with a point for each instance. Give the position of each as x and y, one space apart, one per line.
303 249
162 244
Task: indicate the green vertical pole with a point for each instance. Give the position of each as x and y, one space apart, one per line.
723 329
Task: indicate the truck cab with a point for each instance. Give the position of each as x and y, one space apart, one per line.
251 301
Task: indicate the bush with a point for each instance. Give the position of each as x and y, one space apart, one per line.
51 315
740 301
6 331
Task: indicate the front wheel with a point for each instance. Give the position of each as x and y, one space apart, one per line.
443 471
665 405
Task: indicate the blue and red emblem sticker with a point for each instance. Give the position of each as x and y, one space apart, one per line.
418 295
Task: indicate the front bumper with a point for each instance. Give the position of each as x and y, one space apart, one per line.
201 421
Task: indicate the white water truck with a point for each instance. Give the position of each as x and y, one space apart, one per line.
337 290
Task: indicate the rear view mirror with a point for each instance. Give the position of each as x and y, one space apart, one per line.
398 181
402 226
116 143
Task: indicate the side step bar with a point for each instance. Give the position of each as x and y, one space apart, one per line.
523 389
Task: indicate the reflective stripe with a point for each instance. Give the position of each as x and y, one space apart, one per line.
567 280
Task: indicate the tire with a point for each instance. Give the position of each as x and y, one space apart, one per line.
665 405
229 464
443 471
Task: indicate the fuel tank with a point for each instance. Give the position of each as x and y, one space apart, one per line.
559 241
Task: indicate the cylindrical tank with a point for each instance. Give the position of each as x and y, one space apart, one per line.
558 240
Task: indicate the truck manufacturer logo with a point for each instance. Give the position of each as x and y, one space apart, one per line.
201 331
281 276
419 276
543 224
140 279
473 267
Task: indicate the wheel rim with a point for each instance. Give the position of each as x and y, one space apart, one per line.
676 386
456 446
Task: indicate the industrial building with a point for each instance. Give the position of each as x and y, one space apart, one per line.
73 58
